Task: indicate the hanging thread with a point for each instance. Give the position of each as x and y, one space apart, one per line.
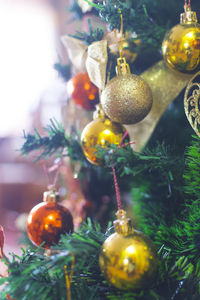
117 190
47 171
122 35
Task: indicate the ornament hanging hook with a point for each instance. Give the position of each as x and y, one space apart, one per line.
47 171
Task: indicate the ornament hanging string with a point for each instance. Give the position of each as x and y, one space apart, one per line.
68 276
122 33
47 171
117 190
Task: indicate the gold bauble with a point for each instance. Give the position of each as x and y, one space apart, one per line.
100 132
128 47
127 43
181 45
128 259
127 99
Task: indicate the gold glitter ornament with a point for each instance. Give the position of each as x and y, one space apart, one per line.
128 258
127 98
192 103
100 132
181 45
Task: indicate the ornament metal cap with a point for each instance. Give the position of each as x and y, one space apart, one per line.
123 225
51 195
188 16
122 67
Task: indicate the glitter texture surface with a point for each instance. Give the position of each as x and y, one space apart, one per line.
127 99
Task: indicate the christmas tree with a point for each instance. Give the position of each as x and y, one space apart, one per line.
137 158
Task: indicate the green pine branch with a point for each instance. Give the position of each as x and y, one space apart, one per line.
35 275
56 142
94 35
136 18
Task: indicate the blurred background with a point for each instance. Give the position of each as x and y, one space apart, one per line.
30 94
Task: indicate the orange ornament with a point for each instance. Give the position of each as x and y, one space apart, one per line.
48 220
83 92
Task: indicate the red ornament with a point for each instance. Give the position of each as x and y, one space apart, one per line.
48 220
83 92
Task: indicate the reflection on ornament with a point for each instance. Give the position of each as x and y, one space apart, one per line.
128 258
48 220
83 92
181 45
127 98
192 103
100 132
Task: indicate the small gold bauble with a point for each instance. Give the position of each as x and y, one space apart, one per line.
181 45
128 48
128 259
127 99
100 132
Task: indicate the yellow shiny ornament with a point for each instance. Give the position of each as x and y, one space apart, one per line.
181 45
128 258
100 132
127 98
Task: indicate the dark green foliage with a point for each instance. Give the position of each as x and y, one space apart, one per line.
135 17
149 19
192 175
55 143
35 275
166 207
93 35
175 223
